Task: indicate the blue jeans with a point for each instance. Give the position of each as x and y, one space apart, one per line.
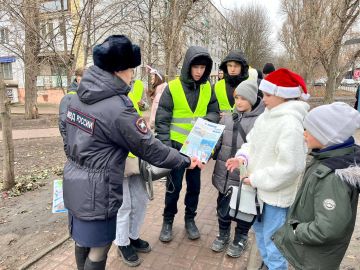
272 219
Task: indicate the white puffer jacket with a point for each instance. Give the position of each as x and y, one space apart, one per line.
276 152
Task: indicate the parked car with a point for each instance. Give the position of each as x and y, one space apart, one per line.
349 82
320 82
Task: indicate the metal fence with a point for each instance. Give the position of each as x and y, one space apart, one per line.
348 88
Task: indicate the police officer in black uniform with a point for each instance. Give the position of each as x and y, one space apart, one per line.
100 128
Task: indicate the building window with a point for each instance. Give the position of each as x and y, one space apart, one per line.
6 69
53 5
4 36
47 31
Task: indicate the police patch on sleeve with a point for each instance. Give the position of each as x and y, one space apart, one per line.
80 120
329 204
141 125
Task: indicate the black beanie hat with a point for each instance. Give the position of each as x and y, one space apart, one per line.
200 60
116 53
268 68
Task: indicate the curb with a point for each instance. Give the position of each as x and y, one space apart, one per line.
42 253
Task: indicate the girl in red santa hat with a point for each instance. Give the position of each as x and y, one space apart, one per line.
275 155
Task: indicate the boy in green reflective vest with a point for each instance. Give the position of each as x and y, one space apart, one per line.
236 70
183 101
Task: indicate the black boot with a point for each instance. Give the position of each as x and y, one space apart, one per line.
90 265
140 245
221 240
238 246
191 229
81 254
166 234
129 255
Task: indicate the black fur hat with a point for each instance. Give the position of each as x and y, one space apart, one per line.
116 53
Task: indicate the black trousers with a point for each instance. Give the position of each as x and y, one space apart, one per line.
242 227
173 188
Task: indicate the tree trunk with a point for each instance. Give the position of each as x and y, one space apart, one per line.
8 146
172 66
332 73
149 52
31 59
330 88
66 50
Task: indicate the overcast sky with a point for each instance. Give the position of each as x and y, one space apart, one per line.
272 6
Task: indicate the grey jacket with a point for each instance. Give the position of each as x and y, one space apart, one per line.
220 178
101 127
192 91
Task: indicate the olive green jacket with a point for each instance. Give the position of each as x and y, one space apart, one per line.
321 221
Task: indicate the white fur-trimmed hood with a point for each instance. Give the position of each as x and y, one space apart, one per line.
351 175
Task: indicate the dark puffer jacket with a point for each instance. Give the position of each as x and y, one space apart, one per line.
192 91
224 146
101 127
232 82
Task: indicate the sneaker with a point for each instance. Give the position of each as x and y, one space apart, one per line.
129 256
191 229
236 248
140 245
221 241
166 232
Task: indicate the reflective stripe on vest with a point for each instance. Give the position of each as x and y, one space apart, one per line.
183 118
221 96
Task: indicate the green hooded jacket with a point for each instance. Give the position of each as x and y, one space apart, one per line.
321 221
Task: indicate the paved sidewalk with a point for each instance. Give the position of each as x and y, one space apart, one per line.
42 109
181 253
34 133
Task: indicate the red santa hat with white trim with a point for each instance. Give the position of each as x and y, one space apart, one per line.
284 83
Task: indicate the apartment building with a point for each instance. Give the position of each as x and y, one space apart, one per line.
63 40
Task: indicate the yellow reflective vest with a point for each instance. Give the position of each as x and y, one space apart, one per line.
183 118
135 96
221 96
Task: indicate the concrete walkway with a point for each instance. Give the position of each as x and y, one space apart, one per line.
34 133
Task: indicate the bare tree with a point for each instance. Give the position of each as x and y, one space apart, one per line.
46 34
7 141
249 30
173 17
315 32
32 48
